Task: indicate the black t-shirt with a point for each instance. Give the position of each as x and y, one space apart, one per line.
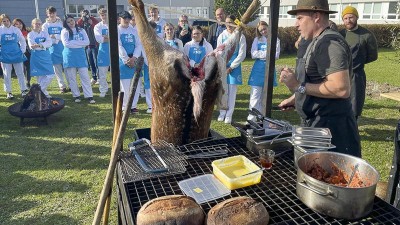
328 53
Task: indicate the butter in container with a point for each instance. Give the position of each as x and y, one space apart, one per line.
230 172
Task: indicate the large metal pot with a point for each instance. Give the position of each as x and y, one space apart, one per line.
299 151
339 202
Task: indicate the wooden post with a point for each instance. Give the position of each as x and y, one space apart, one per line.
114 59
270 60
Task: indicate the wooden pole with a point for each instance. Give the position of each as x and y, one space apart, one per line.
114 59
270 60
117 124
116 147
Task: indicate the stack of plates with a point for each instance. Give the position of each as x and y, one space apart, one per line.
312 137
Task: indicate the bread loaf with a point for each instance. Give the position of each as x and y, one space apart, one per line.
238 211
171 210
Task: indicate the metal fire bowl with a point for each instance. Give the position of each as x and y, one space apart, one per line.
15 110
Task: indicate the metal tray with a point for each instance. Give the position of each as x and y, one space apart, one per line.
315 132
313 144
278 144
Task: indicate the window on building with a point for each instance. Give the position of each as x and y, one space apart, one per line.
333 7
393 13
372 10
283 11
205 12
265 11
75 10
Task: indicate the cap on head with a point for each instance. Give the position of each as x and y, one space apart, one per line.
350 10
125 15
85 11
311 6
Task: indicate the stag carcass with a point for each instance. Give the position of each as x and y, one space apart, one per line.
183 99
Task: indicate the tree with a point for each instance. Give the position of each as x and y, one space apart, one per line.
236 7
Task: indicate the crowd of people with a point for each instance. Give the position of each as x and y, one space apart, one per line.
72 46
328 84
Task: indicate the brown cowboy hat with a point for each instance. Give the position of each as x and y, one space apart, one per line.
311 6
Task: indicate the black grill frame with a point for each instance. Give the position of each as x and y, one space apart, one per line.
277 191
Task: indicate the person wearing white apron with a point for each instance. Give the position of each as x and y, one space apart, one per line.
13 47
169 37
129 50
53 27
234 69
146 83
257 75
140 87
40 63
75 40
198 47
103 56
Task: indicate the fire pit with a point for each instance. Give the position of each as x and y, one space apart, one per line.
36 105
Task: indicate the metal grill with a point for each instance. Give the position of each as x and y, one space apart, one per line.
172 159
277 191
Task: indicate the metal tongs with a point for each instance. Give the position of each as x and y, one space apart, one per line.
285 126
142 144
212 151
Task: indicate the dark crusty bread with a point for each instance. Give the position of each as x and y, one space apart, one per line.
171 210
238 211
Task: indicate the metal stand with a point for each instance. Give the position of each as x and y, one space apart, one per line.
393 192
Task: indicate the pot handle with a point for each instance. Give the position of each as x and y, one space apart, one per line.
305 185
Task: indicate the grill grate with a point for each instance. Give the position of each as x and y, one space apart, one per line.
172 159
277 191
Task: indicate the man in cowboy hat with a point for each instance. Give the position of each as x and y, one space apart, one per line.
364 48
321 83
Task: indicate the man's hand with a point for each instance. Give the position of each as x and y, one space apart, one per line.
287 104
131 62
228 70
183 32
289 79
106 38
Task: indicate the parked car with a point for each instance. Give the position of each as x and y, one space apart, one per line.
204 23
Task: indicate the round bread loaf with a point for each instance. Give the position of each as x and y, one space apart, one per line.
238 211
171 210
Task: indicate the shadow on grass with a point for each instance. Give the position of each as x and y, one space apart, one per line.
13 205
51 219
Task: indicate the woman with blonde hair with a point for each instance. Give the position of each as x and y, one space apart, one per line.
233 68
13 47
257 75
169 37
41 65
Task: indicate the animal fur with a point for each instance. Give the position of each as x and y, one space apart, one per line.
183 98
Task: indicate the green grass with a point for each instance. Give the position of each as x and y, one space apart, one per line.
53 174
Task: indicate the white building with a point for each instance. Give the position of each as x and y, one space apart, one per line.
28 9
370 11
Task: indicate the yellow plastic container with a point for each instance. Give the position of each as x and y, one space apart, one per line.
230 170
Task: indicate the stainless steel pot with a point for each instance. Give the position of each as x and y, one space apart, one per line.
299 151
332 200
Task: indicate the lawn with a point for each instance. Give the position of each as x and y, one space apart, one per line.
53 174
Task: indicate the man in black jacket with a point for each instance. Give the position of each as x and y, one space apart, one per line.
183 31
216 29
88 22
